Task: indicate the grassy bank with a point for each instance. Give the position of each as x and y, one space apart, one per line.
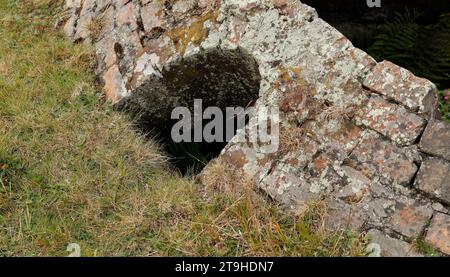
72 170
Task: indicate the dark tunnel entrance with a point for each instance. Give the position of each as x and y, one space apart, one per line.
219 78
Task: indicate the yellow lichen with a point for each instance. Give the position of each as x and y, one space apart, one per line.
195 33
291 75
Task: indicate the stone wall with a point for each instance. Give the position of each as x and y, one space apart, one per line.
362 136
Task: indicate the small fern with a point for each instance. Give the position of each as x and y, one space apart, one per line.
423 49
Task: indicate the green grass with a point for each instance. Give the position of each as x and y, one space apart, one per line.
426 249
72 170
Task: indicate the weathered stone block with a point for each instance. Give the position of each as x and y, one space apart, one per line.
410 220
377 157
393 121
106 53
114 87
151 16
356 187
343 216
69 26
337 134
83 27
438 235
386 246
128 15
434 178
436 139
402 86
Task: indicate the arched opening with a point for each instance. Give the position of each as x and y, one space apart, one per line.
220 78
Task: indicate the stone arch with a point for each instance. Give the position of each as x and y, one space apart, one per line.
363 135
220 78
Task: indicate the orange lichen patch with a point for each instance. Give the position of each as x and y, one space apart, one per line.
292 162
410 220
289 74
292 79
321 163
196 33
292 101
236 158
263 161
296 91
341 42
348 132
280 3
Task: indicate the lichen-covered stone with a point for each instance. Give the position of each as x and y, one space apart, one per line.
391 120
356 187
438 235
114 86
343 216
391 247
335 133
128 15
410 220
377 157
401 85
436 139
152 18
434 179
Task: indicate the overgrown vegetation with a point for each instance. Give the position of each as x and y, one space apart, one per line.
72 170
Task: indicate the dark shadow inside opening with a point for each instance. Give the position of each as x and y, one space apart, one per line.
220 78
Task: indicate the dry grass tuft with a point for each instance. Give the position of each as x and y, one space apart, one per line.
291 138
95 27
221 177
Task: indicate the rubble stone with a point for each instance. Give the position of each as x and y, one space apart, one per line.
378 157
435 140
391 121
410 220
434 178
391 247
438 235
401 85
